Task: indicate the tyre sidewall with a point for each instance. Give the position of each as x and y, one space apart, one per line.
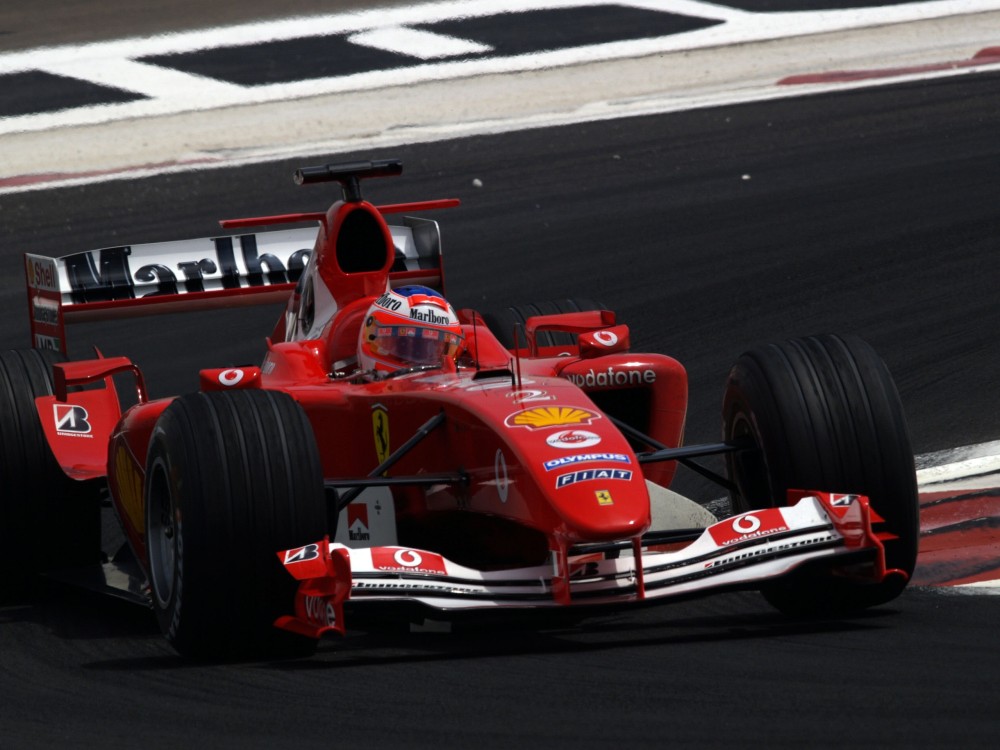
219 595
822 413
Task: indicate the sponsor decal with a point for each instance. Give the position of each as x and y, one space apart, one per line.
42 273
606 338
71 420
47 342
380 430
357 523
105 275
389 302
584 568
302 554
841 500
612 378
768 549
604 497
45 312
429 316
500 471
583 458
407 561
487 384
449 588
592 475
529 395
573 439
229 378
542 417
320 611
760 523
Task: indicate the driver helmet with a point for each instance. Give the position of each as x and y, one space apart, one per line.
408 327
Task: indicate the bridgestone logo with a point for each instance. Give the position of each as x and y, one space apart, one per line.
445 588
768 551
45 315
71 420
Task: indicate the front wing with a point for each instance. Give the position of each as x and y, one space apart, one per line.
741 551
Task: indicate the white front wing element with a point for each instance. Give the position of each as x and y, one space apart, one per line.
739 551
772 542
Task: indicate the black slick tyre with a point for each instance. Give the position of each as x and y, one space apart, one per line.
47 520
232 477
822 413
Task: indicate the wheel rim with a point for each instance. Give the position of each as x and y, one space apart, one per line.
161 534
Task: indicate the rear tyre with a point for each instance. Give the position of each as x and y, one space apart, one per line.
822 413
47 520
504 322
232 478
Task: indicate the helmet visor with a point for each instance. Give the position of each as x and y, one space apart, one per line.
415 345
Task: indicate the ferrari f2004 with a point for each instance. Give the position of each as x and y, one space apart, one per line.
393 457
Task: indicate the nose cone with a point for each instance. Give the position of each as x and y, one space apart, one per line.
600 501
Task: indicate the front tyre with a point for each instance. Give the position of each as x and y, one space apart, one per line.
232 477
822 413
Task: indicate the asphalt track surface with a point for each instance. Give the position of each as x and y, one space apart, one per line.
872 212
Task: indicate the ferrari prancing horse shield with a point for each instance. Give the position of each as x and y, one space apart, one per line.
380 429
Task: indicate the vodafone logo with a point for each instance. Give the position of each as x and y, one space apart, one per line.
606 338
402 560
754 525
572 439
408 558
320 611
229 378
746 524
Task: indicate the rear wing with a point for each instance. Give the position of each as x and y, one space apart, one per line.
190 275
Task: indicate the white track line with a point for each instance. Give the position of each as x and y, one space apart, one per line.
111 63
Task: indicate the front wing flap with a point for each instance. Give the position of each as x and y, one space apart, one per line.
741 551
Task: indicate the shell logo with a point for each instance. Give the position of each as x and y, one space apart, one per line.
551 416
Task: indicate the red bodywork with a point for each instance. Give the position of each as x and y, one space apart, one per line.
506 414
521 482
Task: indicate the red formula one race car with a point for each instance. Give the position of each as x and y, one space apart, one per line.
394 457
